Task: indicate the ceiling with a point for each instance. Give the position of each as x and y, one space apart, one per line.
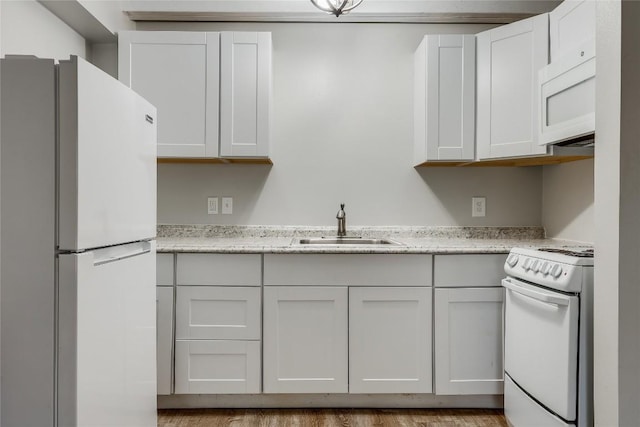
419 11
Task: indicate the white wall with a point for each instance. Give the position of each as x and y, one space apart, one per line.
109 13
342 132
28 28
617 213
567 201
629 227
105 57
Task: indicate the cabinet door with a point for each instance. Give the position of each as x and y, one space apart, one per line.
444 98
164 336
571 24
305 339
509 58
178 72
217 312
217 367
245 96
390 340
468 341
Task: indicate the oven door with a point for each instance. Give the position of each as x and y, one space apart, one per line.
541 344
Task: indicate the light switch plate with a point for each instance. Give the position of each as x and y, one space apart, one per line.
227 205
212 205
478 206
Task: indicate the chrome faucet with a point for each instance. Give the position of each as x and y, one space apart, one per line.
342 221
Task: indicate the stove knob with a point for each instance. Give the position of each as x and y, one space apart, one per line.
545 268
512 260
527 264
556 270
535 267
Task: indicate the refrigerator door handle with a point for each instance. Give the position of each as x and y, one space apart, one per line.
117 253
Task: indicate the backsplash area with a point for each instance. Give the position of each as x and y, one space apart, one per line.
306 192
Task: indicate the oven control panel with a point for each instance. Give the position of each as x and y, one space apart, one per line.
546 269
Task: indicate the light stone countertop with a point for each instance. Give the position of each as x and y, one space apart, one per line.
414 240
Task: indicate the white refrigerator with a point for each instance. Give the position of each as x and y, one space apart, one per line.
77 227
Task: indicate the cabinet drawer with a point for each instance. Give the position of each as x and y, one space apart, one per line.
475 270
218 312
219 269
220 367
164 269
347 270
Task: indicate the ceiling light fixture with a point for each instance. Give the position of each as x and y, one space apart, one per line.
336 7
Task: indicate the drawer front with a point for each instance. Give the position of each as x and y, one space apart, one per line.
218 312
219 269
347 270
473 270
164 269
522 410
217 367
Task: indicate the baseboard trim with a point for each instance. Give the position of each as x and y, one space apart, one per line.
329 401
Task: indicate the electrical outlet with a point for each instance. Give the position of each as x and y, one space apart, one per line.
478 206
227 205
212 205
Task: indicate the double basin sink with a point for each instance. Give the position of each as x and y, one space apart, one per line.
345 241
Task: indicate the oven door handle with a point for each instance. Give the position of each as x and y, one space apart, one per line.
523 289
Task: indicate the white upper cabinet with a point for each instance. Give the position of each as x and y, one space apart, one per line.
212 90
508 61
245 94
571 24
444 98
178 72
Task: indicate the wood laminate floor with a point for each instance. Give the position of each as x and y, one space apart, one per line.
331 418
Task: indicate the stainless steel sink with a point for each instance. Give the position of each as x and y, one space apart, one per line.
346 241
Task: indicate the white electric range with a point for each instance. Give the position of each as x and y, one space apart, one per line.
548 358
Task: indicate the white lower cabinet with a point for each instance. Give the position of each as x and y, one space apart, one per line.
217 366
390 340
218 312
468 340
164 336
218 324
305 339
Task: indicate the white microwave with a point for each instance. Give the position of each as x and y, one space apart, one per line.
567 97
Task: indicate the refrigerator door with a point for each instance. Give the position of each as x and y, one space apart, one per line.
107 337
107 166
